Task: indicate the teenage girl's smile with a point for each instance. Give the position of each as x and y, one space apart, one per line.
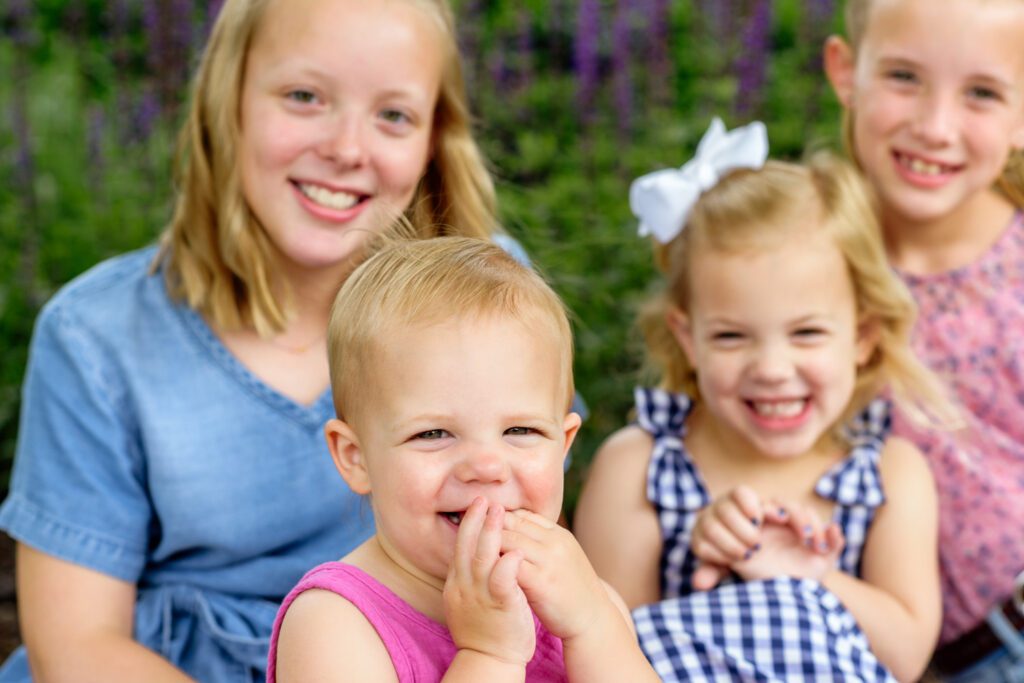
329 203
336 111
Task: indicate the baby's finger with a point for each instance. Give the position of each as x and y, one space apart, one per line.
467 538
488 543
502 583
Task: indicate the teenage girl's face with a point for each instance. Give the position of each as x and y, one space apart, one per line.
773 336
936 91
461 409
336 119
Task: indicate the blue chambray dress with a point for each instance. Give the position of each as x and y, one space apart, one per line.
782 629
147 452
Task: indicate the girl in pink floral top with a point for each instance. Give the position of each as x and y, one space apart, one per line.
934 106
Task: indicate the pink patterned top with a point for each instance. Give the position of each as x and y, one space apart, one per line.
971 331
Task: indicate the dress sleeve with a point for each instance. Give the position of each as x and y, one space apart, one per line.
78 488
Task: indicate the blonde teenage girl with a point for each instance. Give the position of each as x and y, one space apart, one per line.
934 101
779 326
451 366
170 483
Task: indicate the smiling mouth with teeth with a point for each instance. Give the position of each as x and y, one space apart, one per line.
778 408
922 167
338 201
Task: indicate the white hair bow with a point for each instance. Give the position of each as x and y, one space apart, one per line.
662 200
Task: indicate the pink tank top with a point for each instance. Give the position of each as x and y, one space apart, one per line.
421 649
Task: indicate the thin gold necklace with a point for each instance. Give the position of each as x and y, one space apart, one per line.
297 349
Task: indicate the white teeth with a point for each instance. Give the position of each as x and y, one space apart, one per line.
779 408
923 167
332 200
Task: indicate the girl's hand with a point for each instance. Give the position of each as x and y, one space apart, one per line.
484 607
556 576
793 543
726 532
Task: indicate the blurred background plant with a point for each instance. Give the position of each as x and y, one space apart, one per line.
574 98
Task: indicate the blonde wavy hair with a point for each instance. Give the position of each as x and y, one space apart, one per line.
1010 182
214 253
760 209
427 281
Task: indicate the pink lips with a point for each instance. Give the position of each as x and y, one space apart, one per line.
327 213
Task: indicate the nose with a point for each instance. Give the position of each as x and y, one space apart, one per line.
344 141
483 465
771 363
935 119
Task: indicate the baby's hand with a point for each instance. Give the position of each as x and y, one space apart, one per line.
555 575
726 532
485 609
793 543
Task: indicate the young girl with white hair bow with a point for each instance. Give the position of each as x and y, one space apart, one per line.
757 516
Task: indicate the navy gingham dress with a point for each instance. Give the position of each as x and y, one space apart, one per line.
781 629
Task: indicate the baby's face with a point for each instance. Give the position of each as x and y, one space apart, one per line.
465 408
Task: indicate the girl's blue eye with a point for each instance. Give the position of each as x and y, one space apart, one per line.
902 75
519 431
394 116
432 434
982 93
302 96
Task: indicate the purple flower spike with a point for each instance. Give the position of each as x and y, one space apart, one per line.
588 40
751 67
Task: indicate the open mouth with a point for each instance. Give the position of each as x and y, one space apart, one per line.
336 200
453 517
778 409
918 166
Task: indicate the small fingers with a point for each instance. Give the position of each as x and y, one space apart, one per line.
467 539
502 583
488 543
707 576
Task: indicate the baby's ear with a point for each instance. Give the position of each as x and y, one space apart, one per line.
840 67
348 455
869 332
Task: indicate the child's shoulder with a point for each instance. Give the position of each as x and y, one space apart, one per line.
902 466
323 636
630 445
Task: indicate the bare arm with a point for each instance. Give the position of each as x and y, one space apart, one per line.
898 602
610 652
615 523
324 637
77 625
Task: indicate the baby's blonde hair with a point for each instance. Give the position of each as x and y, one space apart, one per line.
856 17
751 210
214 252
424 282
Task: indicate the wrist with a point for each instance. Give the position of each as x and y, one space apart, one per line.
492 659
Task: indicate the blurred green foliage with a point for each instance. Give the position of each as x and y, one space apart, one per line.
88 118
